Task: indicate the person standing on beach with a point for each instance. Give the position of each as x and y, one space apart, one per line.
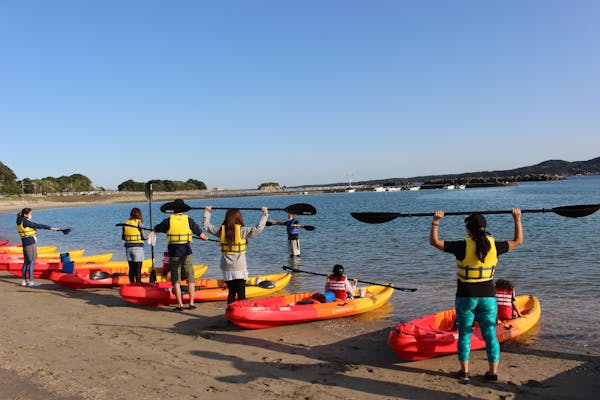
293 230
134 237
179 229
233 236
476 259
27 230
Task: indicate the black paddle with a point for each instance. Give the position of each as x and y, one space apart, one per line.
148 193
370 283
565 211
298 209
65 231
152 230
307 227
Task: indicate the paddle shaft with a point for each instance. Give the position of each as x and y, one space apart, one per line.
564 211
300 208
152 230
361 281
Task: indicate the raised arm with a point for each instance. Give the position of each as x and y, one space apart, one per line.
518 236
434 239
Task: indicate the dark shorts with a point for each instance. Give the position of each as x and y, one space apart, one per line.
176 264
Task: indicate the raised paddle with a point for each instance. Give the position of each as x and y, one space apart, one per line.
298 209
152 230
564 211
307 227
370 283
66 231
148 192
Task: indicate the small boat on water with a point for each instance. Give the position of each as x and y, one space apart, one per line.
435 335
302 307
3 242
414 188
161 293
89 279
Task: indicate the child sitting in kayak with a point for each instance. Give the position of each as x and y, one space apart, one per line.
339 284
505 297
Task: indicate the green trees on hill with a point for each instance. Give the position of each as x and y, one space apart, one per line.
8 181
162 185
73 183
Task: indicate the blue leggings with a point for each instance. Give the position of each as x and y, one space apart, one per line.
485 311
27 266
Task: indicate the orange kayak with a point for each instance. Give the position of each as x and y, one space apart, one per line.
301 307
161 294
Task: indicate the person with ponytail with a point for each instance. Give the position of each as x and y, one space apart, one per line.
233 237
27 231
134 238
476 259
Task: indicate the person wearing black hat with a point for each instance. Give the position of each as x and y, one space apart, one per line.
179 229
476 259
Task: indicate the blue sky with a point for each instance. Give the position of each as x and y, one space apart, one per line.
236 93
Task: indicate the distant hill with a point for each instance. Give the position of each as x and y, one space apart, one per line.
550 167
542 171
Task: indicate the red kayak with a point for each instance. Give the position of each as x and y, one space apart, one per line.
4 243
435 335
86 278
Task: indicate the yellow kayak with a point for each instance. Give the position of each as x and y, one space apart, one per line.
19 249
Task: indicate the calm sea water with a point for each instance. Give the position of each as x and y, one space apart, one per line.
559 261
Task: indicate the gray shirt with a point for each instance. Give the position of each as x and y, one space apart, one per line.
234 266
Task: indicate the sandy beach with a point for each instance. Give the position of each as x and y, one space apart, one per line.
62 344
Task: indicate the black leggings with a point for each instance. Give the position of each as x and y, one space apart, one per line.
135 271
236 287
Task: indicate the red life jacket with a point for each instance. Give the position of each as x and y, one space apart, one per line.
337 287
504 299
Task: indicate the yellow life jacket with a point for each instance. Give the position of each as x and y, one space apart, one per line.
179 229
238 246
25 232
471 269
131 234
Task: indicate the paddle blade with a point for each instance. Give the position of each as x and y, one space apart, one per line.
576 211
301 209
374 217
66 231
148 190
309 227
269 223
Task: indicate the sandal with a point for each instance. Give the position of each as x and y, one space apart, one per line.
192 307
491 377
463 376
178 309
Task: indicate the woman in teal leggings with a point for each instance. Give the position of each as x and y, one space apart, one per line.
476 259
